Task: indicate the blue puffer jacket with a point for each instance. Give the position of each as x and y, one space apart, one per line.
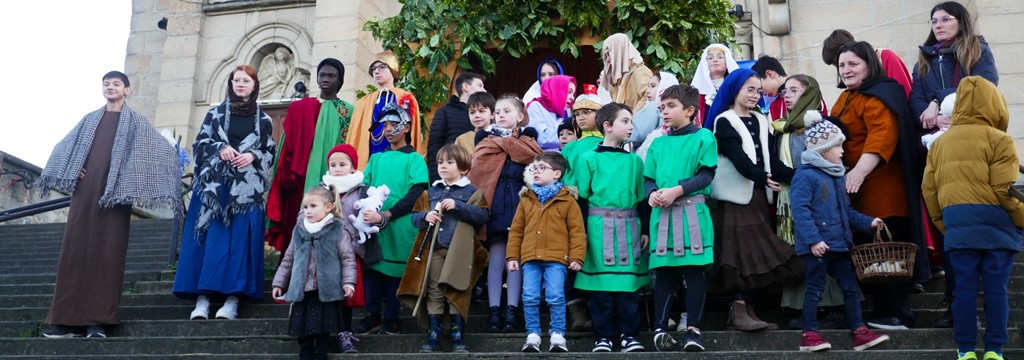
821 211
945 73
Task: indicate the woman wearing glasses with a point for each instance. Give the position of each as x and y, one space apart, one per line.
952 51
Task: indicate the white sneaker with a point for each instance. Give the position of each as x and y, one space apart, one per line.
557 343
202 311
681 327
229 310
532 343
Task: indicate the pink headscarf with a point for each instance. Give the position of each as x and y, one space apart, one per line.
554 92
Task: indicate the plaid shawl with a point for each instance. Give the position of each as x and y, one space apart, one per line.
143 165
246 185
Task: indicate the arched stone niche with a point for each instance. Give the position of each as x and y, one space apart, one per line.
254 48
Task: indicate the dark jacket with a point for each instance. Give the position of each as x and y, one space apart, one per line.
822 212
969 173
461 191
450 121
945 73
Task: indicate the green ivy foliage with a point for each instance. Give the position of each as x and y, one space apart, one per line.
670 34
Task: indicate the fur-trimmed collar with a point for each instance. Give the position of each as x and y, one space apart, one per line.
343 184
461 182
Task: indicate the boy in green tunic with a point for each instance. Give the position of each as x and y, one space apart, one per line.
611 180
678 172
404 171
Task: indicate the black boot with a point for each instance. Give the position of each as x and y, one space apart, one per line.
306 348
457 325
433 334
510 319
496 324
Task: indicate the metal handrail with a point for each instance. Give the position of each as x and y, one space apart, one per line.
37 208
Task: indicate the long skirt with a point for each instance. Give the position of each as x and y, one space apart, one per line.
226 260
313 317
750 256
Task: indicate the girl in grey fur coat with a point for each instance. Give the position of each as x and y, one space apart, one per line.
317 273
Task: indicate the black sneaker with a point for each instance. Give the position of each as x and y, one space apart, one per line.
602 345
946 321
888 324
96 331
391 327
370 324
61 332
663 341
631 344
917 288
692 341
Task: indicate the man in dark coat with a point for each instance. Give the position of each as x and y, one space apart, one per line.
452 119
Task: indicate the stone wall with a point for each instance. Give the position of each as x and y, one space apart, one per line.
14 191
182 71
900 25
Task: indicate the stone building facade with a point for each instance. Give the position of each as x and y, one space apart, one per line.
181 71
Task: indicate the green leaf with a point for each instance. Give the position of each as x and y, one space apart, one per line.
424 51
434 40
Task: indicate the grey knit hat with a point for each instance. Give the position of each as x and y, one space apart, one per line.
821 134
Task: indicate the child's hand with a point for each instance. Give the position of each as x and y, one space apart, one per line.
276 293
432 217
877 223
772 184
448 204
819 249
669 196
372 217
575 266
655 199
81 174
513 265
349 291
644 241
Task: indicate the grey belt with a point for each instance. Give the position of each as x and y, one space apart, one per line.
688 205
614 227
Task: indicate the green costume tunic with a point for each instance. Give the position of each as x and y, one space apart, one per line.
573 153
399 171
672 158
611 180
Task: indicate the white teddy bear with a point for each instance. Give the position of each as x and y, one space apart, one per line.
373 201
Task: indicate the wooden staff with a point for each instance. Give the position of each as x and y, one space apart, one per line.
426 268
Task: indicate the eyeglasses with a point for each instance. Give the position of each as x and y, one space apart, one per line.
537 169
944 20
381 67
754 91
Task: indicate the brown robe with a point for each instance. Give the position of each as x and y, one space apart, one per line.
91 266
462 266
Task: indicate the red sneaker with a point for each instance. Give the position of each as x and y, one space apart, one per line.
812 341
864 339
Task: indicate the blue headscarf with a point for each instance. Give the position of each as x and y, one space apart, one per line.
727 94
558 66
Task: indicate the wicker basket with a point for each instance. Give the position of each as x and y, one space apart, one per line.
884 261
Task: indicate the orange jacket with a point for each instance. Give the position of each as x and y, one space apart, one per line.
549 232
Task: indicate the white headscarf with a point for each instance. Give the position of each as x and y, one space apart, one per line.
667 79
702 78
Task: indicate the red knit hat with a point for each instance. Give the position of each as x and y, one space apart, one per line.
347 150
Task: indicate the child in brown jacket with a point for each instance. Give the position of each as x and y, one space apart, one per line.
547 238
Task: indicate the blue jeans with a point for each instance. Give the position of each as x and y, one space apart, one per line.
994 268
551 275
840 267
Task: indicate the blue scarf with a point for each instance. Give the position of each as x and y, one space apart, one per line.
545 193
731 86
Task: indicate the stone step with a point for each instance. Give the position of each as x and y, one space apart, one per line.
713 320
41 297
14 263
872 354
134 242
148 224
780 341
52 268
132 253
130 276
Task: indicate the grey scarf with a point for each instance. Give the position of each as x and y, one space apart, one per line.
143 165
247 185
815 159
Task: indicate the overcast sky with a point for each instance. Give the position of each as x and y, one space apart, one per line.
56 54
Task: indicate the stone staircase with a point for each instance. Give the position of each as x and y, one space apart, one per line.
155 325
